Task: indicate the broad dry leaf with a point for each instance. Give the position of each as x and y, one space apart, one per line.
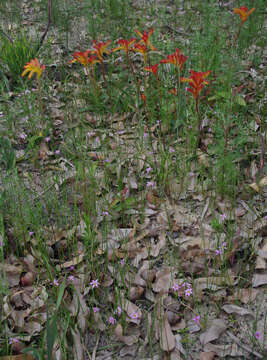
259 279
136 292
155 248
216 328
99 321
11 273
225 350
133 311
214 282
193 241
263 181
260 263
128 340
203 158
163 281
244 295
175 355
79 308
167 339
234 309
129 350
75 261
43 150
178 344
77 348
207 355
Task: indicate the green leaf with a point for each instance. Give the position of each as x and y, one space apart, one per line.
240 100
61 293
51 331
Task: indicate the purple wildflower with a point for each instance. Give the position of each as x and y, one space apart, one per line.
94 283
111 320
188 292
134 315
176 287
196 319
257 335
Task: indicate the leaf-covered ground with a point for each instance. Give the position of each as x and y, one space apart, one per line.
134 227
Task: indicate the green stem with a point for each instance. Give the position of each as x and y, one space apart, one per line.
40 102
199 135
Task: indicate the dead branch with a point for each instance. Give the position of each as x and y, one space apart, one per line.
49 21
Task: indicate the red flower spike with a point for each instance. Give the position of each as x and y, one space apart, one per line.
196 81
145 38
124 45
81 57
142 49
243 12
153 69
143 97
176 59
100 49
33 67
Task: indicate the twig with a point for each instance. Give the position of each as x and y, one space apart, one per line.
245 347
49 5
93 357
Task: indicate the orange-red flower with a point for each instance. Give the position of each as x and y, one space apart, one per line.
243 12
142 49
176 59
196 81
124 45
145 38
153 69
101 49
33 67
143 97
81 57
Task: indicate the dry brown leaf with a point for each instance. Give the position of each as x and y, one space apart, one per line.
175 355
207 355
77 348
11 273
142 253
214 282
234 309
163 281
167 339
203 158
155 248
79 308
178 344
133 312
216 328
263 181
244 295
224 350
259 279
75 261
128 340
43 150
129 350
136 292
260 263
99 321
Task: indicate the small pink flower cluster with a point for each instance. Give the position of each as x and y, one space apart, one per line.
221 249
185 288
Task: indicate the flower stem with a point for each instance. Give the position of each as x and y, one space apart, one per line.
40 102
